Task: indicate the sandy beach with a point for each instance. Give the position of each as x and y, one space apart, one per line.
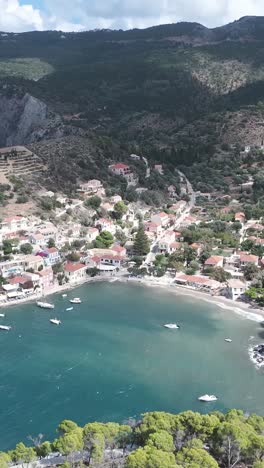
247 311
243 309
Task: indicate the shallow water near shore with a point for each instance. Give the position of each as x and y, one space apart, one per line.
112 359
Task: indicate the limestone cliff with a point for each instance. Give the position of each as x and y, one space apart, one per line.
26 119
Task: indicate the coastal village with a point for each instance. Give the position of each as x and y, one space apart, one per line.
192 242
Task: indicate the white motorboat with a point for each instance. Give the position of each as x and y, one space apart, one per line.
228 340
64 295
5 327
2 315
69 308
76 300
45 305
55 321
208 398
172 326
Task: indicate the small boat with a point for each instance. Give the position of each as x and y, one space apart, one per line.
5 327
228 340
208 398
64 295
69 308
45 305
55 321
2 315
172 326
76 300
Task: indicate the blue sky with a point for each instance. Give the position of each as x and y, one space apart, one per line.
76 15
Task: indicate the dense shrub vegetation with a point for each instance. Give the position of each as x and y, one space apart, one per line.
158 440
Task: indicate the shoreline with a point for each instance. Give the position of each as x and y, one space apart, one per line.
247 311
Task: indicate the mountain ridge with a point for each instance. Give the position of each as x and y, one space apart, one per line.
164 88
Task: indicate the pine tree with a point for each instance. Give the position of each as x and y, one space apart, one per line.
141 244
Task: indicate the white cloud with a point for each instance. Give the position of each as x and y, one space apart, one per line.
16 18
90 14
142 13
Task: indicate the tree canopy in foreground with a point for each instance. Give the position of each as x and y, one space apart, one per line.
158 440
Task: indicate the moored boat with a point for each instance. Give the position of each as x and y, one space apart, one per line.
2 315
228 340
69 308
45 305
5 327
172 326
76 300
208 398
55 321
64 295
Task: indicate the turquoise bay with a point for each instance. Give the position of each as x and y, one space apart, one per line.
111 359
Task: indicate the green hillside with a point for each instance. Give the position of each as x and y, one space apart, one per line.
173 92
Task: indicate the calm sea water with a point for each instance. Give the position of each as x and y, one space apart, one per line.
112 359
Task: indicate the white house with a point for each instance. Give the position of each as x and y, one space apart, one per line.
37 239
158 168
161 218
235 289
53 255
92 186
75 272
152 227
166 241
91 234
46 278
135 157
49 231
106 225
179 207
14 224
115 199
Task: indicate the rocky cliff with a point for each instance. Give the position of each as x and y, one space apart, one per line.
26 119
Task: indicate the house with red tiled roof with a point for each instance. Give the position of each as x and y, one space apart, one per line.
18 280
119 169
197 247
198 282
152 227
119 250
46 278
215 261
241 217
75 272
245 259
123 170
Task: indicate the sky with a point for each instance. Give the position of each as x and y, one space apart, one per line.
78 15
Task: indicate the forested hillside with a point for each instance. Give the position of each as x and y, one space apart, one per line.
176 88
